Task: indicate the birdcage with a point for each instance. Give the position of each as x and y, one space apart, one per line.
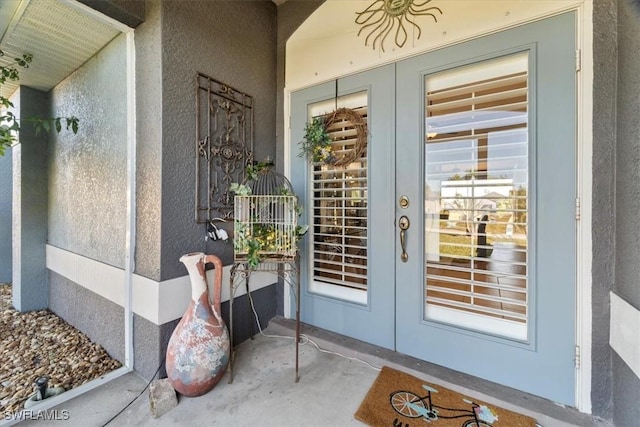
266 220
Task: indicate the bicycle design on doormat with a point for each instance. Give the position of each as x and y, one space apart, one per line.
411 405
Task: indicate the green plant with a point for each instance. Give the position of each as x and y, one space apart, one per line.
9 124
254 170
254 238
316 145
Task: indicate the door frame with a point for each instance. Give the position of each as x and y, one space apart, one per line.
584 136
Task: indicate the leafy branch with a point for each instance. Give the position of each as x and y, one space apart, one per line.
316 145
9 124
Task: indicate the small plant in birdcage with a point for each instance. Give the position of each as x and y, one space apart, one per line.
266 225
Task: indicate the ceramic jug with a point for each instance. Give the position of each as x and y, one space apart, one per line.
198 351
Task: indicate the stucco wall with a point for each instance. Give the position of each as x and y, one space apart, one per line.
6 184
149 142
603 210
98 318
29 222
233 42
626 384
87 171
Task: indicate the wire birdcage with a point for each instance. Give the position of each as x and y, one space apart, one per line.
266 221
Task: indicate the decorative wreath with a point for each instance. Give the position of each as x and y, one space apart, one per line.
317 142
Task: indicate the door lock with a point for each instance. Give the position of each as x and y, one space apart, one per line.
403 202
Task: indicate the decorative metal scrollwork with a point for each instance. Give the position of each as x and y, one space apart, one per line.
383 16
224 145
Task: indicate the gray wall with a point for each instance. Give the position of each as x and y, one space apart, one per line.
603 233
616 194
97 317
6 200
233 42
626 385
30 284
87 171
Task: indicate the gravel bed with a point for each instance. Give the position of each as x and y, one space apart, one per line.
39 343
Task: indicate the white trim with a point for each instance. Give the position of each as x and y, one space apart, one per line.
130 239
54 401
356 296
287 173
584 188
624 332
158 302
476 322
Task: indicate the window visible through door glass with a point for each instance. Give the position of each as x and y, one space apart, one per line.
476 196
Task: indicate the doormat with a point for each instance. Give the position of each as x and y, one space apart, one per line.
397 399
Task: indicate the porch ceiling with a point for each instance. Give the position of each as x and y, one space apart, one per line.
60 37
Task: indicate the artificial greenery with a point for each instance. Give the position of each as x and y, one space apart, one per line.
9 124
254 170
254 238
316 145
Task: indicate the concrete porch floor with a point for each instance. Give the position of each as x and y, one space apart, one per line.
264 392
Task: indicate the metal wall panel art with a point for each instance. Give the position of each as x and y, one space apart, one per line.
224 146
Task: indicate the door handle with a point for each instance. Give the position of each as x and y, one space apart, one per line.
404 224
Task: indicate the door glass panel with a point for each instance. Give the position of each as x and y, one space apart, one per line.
476 196
340 211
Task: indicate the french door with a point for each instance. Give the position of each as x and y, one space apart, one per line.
452 237
347 256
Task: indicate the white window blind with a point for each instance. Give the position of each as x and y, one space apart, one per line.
476 173
339 202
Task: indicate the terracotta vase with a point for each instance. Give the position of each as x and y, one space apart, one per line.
198 351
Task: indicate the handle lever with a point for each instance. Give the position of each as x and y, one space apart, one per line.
404 224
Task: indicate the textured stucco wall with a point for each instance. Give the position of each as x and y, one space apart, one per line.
233 42
626 385
30 284
97 317
628 154
176 40
6 200
149 142
603 210
87 171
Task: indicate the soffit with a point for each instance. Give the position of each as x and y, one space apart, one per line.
60 37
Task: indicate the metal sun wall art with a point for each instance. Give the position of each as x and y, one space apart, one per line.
224 146
383 17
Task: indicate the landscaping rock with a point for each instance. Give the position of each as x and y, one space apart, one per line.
162 397
39 343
